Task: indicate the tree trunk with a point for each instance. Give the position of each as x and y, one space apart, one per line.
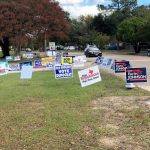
5 46
137 48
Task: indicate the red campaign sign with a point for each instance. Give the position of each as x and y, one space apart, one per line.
136 75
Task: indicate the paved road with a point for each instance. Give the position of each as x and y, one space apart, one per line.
135 61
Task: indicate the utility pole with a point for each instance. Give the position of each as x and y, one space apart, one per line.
45 42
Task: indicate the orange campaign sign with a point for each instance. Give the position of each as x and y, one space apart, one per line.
47 60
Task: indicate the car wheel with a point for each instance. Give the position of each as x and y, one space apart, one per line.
100 54
87 55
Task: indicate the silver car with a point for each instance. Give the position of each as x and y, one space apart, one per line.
92 51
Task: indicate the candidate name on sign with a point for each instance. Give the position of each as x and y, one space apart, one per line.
136 75
120 66
63 71
89 76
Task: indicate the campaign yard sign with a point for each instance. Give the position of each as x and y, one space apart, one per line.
38 64
50 66
105 61
4 64
63 71
136 75
58 59
89 76
66 60
51 53
17 58
109 62
3 71
13 67
47 60
3 67
9 58
26 72
28 63
78 61
120 66
52 46
99 60
28 56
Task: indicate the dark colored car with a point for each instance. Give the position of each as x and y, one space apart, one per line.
92 51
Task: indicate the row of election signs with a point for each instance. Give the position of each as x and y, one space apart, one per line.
62 66
18 58
132 74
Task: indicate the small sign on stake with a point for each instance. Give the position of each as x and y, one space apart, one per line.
89 76
121 66
136 75
63 71
26 72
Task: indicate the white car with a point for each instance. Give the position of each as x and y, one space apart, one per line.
70 48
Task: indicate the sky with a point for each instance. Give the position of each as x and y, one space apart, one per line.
77 8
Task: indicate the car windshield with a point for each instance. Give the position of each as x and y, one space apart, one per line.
94 49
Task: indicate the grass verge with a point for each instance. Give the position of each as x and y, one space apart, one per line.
44 113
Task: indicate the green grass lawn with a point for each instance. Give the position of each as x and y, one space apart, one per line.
49 114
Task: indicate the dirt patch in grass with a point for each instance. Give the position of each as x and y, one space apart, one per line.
109 142
124 122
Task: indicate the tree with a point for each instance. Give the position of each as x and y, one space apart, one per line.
100 39
105 24
40 18
125 6
128 30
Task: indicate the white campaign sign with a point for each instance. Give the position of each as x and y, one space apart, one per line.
89 76
52 46
79 61
26 72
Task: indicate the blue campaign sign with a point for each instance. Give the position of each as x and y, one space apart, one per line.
58 59
63 71
109 62
136 75
50 65
121 66
99 60
29 63
37 63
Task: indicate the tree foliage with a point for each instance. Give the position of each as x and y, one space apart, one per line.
39 18
129 28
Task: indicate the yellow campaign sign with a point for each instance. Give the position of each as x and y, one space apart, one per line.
66 60
47 60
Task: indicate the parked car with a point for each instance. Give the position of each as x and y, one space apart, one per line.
70 48
114 46
59 47
92 51
27 49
